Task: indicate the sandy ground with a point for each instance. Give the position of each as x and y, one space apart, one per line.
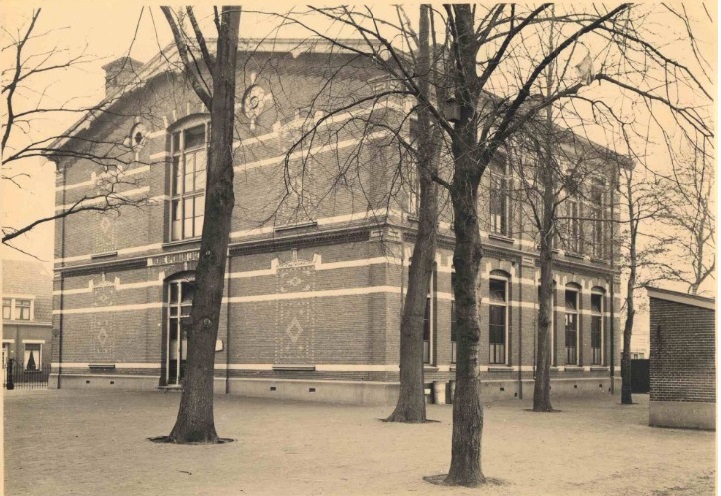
94 443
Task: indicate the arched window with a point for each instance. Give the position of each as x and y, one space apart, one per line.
188 175
571 323
498 298
180 290
597 328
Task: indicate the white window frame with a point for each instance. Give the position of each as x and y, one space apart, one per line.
39 363
499 224
179 150
179 341
430 300
577 314
506 284
603 324
13 306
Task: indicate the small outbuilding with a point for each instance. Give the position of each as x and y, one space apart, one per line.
683 360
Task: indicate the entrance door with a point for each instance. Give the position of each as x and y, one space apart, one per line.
180 296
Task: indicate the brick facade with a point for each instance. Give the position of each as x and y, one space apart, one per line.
683 360
313 295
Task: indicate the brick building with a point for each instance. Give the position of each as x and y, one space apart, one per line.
314 286
683 360
27 299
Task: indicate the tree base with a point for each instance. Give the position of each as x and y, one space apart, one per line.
172 440
405 418
442 480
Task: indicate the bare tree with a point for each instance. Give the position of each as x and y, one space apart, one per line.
643 196
485 45
195 422
692 219
27 61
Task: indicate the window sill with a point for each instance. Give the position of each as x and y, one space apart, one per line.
452 368
502 238
181 242
412 218
500 368
299 225
429 368
101 366
573 368
600 368
294 368
107 254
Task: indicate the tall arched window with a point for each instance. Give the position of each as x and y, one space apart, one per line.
597 310
189 154
571 324
498 297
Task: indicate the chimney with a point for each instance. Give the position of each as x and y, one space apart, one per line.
120 73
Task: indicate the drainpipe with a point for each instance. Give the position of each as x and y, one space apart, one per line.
520 329
227 327
613 296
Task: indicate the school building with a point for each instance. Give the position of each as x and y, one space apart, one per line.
319 247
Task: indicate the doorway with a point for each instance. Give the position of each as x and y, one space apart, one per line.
180 301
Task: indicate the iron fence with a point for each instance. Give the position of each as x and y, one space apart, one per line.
17 375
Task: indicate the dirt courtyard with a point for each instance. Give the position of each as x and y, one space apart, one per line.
89 442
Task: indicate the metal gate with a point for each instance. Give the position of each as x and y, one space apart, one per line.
640 376
18 376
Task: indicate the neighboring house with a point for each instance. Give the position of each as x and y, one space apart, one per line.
314 288
27 296
683 360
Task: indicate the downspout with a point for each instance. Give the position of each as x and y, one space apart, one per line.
227 326
520 329
612 291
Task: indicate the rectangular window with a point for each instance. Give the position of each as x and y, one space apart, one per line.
571 327
597 222
427 331
429 323
498 200
573 243
22 309
7 308
454 336
188 183
597 329
32 356
497 321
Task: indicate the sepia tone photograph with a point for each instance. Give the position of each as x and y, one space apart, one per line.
369 249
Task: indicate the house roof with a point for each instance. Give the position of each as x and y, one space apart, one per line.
683 298
26 277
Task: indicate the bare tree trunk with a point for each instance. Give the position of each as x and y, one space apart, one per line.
411 406
467 407
542 383
195 422
626 396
